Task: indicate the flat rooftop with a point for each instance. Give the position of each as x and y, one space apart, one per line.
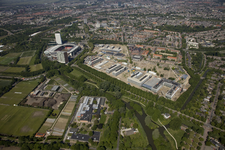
152 82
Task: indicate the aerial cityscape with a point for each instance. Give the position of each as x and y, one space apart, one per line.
112 75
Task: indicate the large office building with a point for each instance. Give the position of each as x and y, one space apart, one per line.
62 57
58 38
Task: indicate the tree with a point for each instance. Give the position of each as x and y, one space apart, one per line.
208 143
101 148
135 125
148 120
175 124
91 133
118 95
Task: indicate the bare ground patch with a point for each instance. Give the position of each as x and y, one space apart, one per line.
25 129
38 114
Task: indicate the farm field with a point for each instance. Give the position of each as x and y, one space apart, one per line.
24 60
8 58
28 53
36 67
3 68
48 123
69 108
4 82
20 91
21 121
15 69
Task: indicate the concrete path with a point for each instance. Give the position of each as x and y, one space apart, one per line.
169 133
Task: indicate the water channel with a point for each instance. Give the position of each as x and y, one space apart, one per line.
147 130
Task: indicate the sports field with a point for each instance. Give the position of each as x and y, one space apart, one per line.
4 82
19 92
36 67
21 121
24 60
28 53
15 69
9 58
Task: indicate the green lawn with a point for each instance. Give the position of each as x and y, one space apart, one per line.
49 87
15 69
103 119
77 73
36 67
177 134
24 60
4 82
19 92
28 53
7 60
13 54
21 121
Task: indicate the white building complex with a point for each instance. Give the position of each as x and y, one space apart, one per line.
58 38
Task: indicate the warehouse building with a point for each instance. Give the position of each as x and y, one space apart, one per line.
119 70
139 81
112 68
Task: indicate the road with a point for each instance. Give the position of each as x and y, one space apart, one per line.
118 138
209 118
9 33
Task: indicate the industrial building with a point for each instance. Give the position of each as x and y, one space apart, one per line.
112 68
119 70
98 66
138 79
149 84
171 92
95 61
156 84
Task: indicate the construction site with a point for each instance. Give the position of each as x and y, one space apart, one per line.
167 80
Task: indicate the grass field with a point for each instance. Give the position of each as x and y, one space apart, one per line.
36 67
20 91
177 135
21 121
4 82
32 61
3 68
15 69
77 73
24 60
8 58
28 53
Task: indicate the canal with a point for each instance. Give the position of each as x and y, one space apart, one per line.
147 130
